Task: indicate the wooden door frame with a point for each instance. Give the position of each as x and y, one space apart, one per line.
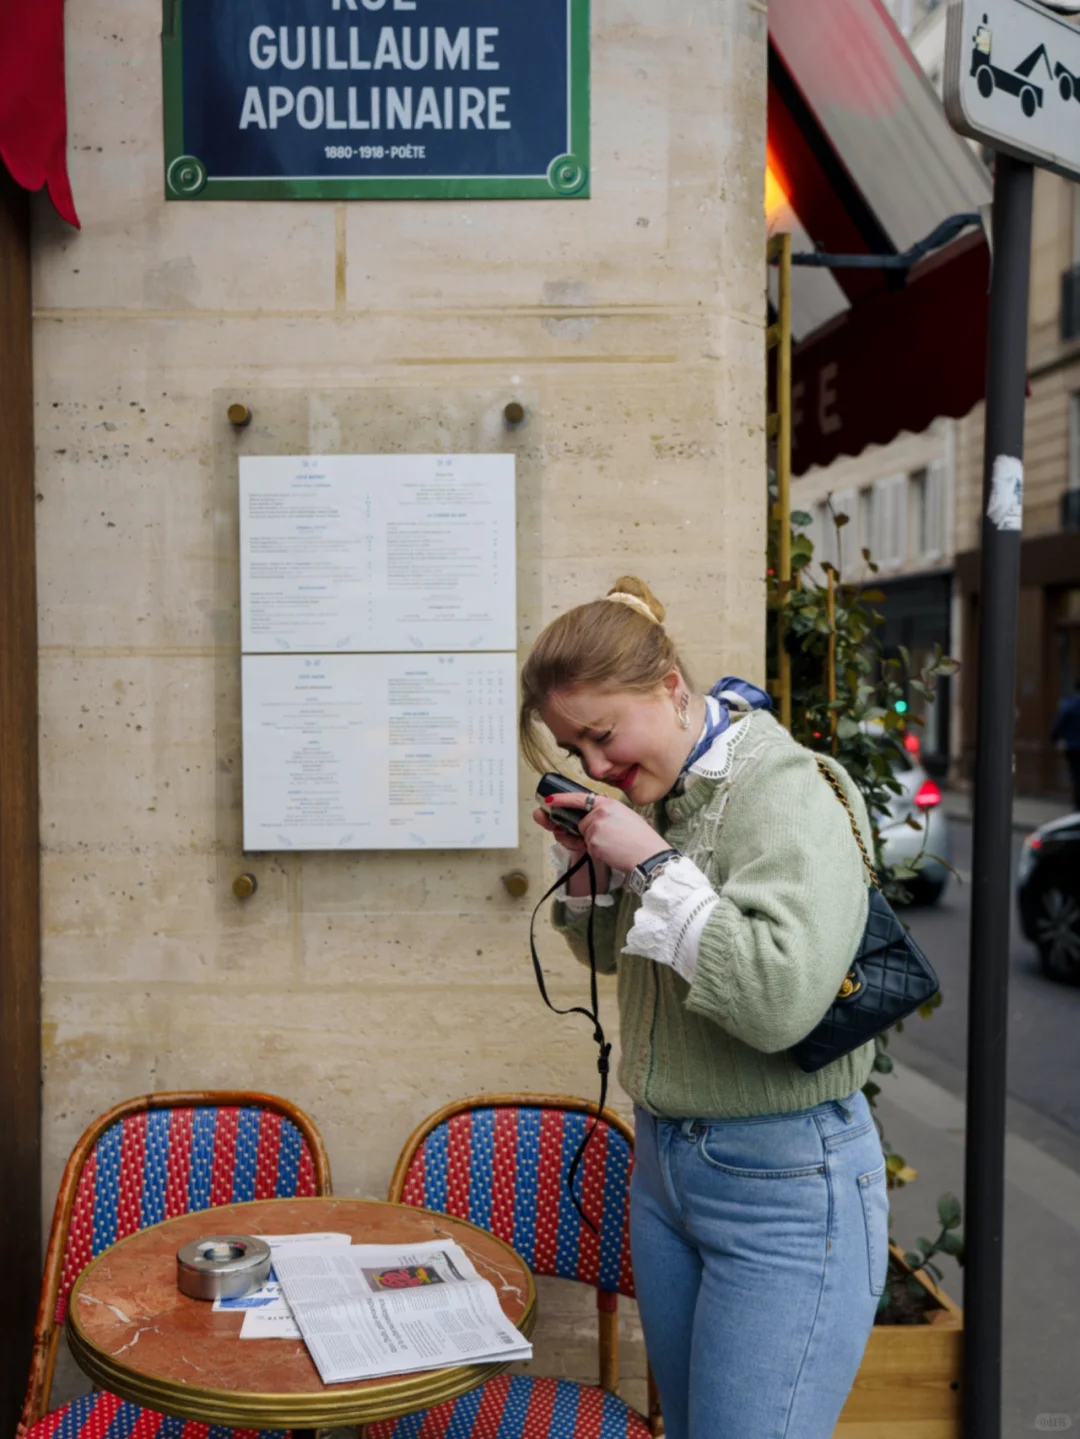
20 931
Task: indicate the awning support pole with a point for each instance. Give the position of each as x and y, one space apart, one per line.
984 1181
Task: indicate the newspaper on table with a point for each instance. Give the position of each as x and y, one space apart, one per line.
375 1309
266 1314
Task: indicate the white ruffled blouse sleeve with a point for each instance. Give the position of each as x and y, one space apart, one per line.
669 922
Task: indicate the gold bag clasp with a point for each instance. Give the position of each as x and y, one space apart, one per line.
850 986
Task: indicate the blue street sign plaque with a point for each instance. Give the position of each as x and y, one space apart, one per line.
376 99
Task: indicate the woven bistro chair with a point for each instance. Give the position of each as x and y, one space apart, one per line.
501 1161
146 1160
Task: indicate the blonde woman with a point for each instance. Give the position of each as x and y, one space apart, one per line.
731 900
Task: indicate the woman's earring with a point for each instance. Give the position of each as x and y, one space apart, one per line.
682 714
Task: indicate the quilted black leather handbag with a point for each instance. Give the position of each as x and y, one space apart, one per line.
889 977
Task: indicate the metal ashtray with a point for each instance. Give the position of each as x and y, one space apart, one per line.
224 1266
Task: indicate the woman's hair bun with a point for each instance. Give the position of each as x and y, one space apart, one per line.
631 585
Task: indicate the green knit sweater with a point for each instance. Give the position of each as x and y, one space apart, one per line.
777 846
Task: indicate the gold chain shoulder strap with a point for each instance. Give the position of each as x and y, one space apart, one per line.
838 790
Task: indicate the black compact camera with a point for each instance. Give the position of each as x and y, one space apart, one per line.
566 819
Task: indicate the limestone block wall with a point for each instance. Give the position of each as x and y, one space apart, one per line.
368 988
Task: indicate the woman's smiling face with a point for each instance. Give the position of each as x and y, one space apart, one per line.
632 741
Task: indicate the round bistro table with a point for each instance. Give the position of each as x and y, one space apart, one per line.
133 1332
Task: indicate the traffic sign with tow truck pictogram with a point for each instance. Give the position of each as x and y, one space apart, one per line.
1018 81
1012 70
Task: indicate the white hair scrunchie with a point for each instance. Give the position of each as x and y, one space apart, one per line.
635 603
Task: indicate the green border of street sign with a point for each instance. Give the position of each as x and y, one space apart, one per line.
567 176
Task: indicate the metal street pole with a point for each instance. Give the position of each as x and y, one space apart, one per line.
984 1187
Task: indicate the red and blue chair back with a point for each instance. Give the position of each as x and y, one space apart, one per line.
158 1163
152 1158
502 1161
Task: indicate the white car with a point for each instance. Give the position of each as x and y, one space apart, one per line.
919 801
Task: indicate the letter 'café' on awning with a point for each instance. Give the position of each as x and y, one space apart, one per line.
861 161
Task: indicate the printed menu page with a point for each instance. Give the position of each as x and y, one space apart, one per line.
379 751
377 552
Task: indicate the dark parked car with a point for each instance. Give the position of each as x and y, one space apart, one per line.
1049 896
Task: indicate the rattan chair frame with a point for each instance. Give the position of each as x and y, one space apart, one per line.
606 1302
46 1328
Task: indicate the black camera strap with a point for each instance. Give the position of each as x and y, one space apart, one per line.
592 1014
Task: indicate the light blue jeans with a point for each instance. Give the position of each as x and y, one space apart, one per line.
759 1249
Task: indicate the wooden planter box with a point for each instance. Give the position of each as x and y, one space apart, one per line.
908 1385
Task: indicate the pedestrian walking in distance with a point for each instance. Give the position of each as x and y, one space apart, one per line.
731 900
1066 732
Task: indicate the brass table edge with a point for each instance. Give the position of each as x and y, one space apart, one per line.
335 1405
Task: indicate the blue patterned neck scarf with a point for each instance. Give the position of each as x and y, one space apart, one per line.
727 694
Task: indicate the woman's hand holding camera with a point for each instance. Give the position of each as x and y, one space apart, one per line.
578 884
569 841
614 834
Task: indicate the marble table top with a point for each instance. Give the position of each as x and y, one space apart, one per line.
133 1332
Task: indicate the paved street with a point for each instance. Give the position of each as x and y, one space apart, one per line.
1044 1018
922 1113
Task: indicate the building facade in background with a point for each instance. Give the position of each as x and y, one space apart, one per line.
916 503
898 500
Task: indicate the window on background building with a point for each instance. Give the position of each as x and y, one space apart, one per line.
867 511
824 535
926 511
891 521
907 13
917 511
936 510
1069 315
845 502
1074 439
903 12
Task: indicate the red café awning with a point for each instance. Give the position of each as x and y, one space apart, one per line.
861 161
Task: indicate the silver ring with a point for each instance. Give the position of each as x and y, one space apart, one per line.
590 802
